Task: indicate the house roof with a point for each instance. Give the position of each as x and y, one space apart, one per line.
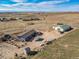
25 35
65 27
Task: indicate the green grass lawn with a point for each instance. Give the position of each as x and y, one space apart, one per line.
66 47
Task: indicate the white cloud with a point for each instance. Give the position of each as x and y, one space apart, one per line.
42 6
46 9
53 1
18 0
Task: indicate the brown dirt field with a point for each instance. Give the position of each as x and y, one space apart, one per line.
48 19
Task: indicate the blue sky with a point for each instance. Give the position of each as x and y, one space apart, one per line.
39 5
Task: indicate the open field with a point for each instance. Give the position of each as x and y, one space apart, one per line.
66 47
47 20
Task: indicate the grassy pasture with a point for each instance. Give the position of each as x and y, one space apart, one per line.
66 47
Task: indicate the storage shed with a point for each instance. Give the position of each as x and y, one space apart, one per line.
27 51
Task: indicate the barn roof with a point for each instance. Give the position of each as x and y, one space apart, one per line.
25 35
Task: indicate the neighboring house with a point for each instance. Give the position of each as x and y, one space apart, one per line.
6 37
28 36
35 18
26 19
3 19
62 28
30 18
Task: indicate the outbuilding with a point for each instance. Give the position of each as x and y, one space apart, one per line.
62 28
6 37
28 36
27 51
